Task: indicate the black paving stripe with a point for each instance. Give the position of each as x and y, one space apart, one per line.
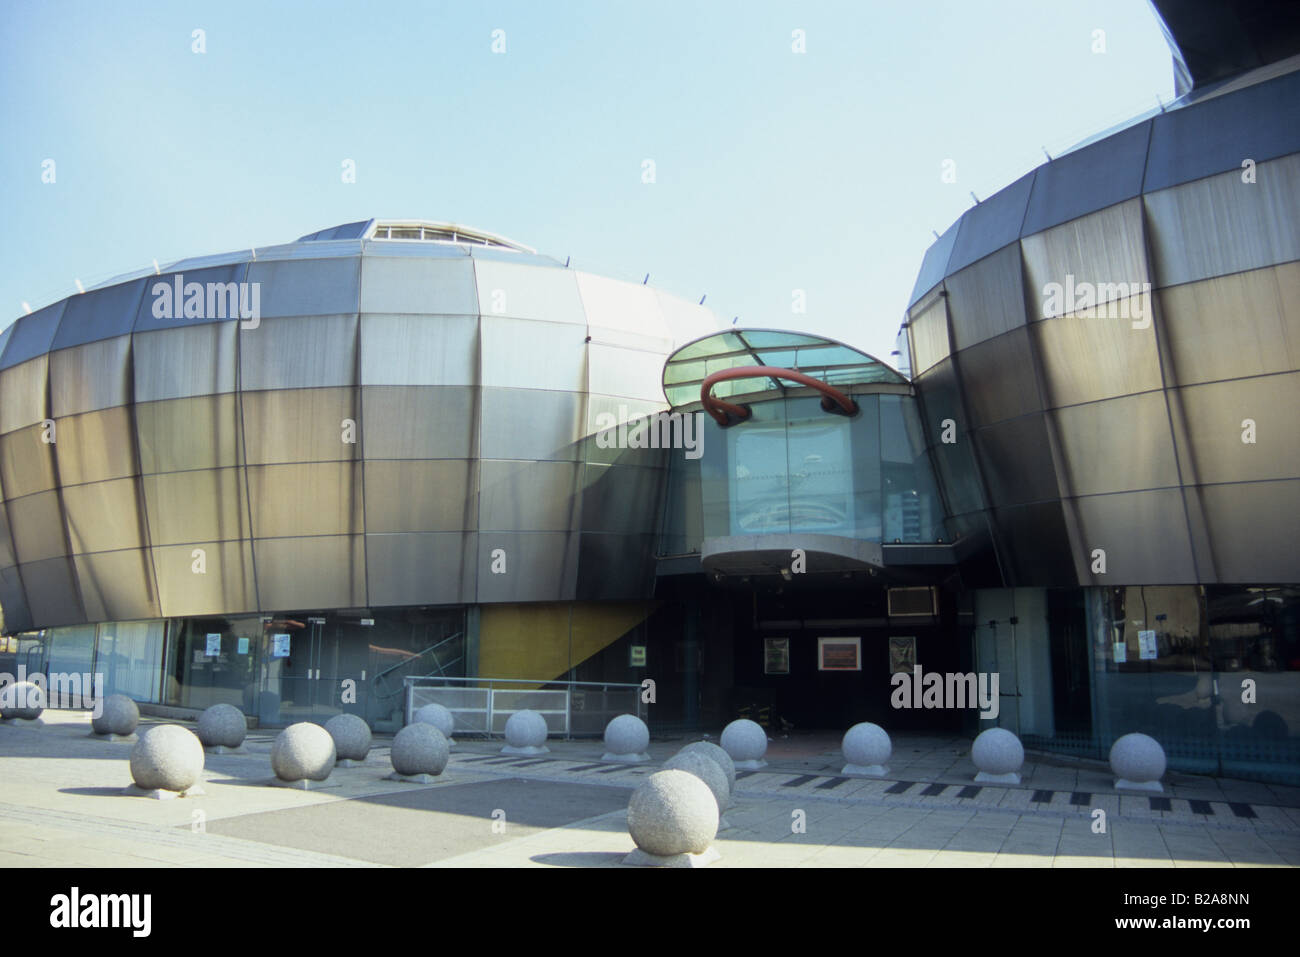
1160 804
741 775
900 787
1080 798
617 767
585 767
1042 796
502 760
529 763
831 783
934 790
1241 809
478 757
800 780
969 791
1201 807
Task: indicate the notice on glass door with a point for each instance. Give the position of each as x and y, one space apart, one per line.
214 644
279 646
1146 644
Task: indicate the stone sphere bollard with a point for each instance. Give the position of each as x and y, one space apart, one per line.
419 750
866 748
351 737
525 734
440 717
23 700
998 754
673 818
626 738
746 742
1139 762
120 716
303 753
719 756
166 761
222 726
707 770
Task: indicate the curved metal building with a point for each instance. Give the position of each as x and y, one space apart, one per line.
1117 338
407 399
399 448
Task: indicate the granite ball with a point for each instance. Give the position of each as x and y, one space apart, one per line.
707 770
438 716
22 699
351 736
167 758
626 734
672 812
303 752
1138 758
420 748
866 744
222 725
526 729
744 740
719 756
120 715
997 751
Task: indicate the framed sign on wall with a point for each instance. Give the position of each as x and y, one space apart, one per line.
902 655
839 654
776 656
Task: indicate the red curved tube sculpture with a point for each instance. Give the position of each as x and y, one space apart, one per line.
725 413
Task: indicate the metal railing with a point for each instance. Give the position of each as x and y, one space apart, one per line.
483 705
380 681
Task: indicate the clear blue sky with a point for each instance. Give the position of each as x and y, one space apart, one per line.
775 170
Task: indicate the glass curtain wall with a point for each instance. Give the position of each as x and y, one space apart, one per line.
794 468
1213 673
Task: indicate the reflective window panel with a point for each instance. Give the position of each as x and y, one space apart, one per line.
1208 344
418 422
418 496
1090 358
1220 225
987 298
173 363
301 425
23 391
528 292
419 350
1099 258
89 377
424 286
204 505
95 446
521 354
181 434
301 353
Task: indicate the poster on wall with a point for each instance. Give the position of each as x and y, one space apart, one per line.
839 654
279 646
1147 644
242 647
902 655
1121 652
776 656
214 644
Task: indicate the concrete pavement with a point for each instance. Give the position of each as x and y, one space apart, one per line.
60 805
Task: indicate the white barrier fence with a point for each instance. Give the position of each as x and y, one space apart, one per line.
483 705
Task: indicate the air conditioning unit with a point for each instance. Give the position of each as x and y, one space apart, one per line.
912 602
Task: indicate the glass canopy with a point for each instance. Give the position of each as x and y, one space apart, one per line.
832 362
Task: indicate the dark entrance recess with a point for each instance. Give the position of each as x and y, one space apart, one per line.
809 698
1067 626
